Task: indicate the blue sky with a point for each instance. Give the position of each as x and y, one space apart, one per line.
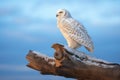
31 24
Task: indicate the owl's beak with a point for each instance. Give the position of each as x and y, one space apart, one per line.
56 15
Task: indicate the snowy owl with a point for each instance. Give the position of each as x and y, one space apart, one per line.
74 32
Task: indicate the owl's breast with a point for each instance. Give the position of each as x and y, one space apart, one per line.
64 27
63 31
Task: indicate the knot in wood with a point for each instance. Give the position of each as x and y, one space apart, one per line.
58 55
59 51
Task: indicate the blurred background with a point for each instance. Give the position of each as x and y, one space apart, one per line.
31 25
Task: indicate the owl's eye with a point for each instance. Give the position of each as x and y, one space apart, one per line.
60 12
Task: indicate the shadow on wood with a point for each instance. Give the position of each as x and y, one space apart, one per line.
68 64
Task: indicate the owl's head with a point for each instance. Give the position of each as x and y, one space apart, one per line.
62 13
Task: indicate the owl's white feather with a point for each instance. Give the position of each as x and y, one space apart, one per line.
74 33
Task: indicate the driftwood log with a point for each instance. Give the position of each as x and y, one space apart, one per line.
67 63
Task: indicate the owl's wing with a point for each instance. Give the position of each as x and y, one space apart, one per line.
78 33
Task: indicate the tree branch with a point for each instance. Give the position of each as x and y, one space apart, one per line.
73 64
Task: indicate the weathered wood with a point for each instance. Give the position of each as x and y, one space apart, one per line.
64 64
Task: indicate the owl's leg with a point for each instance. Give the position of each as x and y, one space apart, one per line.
74 45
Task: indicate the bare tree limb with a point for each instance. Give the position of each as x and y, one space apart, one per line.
68 64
